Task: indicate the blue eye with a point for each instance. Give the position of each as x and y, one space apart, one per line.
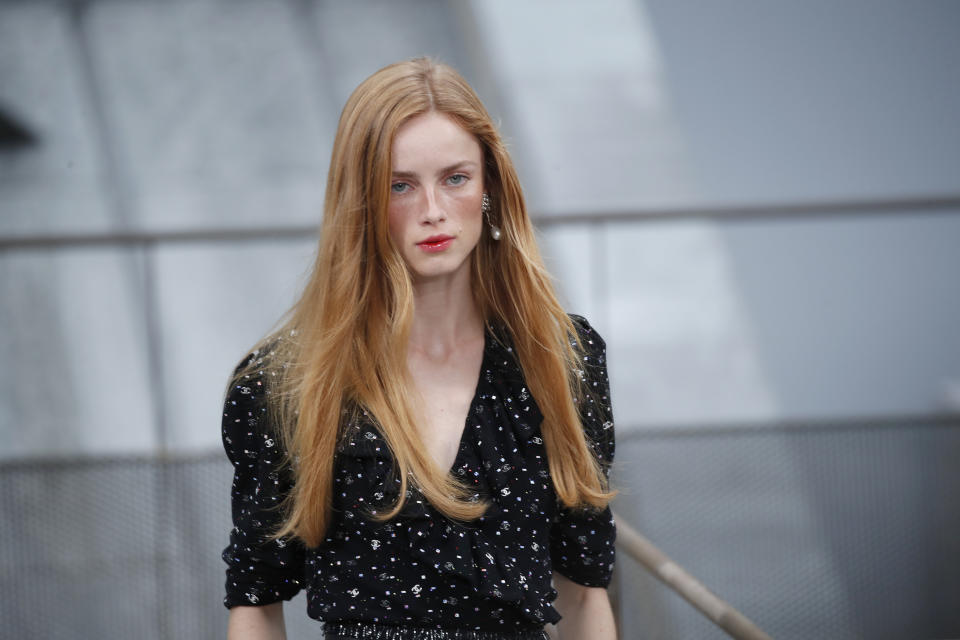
457 179
399 187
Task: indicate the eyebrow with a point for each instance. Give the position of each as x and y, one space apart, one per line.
453 167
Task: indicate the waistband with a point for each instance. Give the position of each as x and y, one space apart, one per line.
372 631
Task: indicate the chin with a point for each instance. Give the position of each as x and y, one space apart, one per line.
436 271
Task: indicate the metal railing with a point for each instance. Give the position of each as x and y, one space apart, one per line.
689 588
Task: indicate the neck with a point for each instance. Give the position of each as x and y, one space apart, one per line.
445 315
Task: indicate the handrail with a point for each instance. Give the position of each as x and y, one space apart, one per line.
736 624
947 203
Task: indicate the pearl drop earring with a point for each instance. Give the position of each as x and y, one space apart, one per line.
485 207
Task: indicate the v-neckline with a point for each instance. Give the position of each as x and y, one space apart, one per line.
462 443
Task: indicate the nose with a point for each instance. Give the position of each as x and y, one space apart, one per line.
433 211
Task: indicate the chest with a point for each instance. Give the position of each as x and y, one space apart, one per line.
497 450
445 390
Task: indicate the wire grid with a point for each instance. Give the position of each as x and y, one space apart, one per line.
850 532
76 541
842 533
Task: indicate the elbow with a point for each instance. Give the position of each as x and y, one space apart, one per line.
257 623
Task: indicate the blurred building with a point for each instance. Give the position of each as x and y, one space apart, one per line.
756 204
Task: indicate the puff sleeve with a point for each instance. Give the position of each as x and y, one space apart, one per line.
260 570
582 541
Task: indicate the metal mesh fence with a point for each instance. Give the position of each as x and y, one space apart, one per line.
79 552
846 532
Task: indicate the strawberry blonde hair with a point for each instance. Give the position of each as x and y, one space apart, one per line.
343 344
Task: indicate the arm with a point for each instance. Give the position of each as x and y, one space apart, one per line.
261 570
582 542
257 623
586 611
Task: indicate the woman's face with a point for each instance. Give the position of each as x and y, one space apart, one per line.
435 195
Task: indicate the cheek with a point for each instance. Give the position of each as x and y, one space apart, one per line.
476 217
470 212
395 223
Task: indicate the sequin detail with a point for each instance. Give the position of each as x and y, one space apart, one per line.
366 631
420 569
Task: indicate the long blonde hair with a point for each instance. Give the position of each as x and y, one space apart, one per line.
344 341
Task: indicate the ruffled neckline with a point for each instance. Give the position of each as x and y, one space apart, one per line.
474 551
500 373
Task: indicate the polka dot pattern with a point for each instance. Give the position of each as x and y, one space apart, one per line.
420 568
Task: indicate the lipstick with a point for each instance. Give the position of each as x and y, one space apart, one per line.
435 244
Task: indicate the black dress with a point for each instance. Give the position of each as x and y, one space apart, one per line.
421 569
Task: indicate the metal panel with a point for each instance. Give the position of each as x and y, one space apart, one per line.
213 304
681 348
851 316
357 38
213 110
57 184
75 375
594 125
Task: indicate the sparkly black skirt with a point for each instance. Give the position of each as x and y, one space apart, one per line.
371 631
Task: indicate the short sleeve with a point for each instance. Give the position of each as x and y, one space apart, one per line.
582 541
260 570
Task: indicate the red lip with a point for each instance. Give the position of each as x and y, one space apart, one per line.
436 239
435 243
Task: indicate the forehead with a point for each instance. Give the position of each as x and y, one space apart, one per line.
432 140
